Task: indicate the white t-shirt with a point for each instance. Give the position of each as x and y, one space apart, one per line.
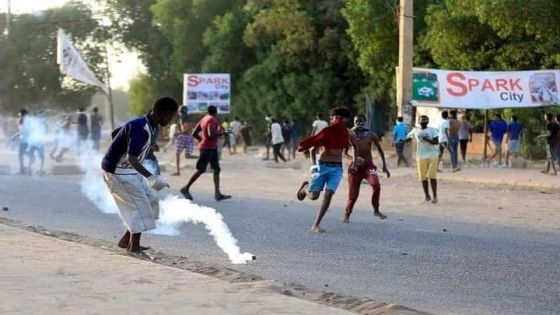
443 126
425 150
276 131
319 125
235 127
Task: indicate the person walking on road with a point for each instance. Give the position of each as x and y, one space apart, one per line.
365 169
427 157
96 121
23 136
551 135
83 129
294 137
465 135
399 140
513 138
128 180
207 132
235 127
327 173
498 128
443 137
454 140
185 143
277 140
246 131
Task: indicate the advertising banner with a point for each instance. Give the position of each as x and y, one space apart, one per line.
203 90
484 90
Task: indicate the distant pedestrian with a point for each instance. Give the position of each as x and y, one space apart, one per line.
318 124
185 143
427 157
207 132
295 134
399 140
23 137
286 134
235 127
37 128
443 137
63 138
268 137
83 129
172 135
96 121
551 135
246 132
465 135
498 128
227 136
277 140
513 138
454 140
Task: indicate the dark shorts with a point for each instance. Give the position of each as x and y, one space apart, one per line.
208 157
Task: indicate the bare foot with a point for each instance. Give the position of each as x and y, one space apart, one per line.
137 249
379 215
301 193
221 197
186 194
346 218
316 229
434 201
427 199
176 174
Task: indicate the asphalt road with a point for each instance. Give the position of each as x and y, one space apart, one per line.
468 269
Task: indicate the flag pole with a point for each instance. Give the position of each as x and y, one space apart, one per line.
109 103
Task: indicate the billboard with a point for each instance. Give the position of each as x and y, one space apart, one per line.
201 90
484 90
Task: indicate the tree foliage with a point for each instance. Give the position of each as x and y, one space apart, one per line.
29 75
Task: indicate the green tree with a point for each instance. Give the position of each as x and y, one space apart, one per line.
29 76
140 93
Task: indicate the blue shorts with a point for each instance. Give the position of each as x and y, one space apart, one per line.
328 177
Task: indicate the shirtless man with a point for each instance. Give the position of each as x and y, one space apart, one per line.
365 169
327 173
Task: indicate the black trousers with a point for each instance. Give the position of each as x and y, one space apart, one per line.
277 153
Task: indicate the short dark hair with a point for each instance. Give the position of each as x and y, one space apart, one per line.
341 111
165 105
549 116
453 113
318 115
422 117
81 109
498 115
400 119
23 112
212 110
514 118
361 116
444 114
95 109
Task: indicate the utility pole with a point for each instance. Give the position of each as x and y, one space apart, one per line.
109 108
404 72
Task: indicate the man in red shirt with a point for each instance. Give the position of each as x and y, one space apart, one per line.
207 132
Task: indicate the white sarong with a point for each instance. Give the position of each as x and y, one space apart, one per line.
137 202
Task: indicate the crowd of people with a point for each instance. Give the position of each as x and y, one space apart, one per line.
32 137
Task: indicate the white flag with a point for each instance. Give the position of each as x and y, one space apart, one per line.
72 64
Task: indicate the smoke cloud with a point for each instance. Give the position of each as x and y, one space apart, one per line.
174 210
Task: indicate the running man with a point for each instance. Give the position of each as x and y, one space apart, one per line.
207 132
185 143
427 156
399 137
126 178
326 174
365 168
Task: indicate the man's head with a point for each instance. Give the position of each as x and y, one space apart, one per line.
95 110
319 116
22 112
81 109
549 117
341 112
464 116
453 114
164 110
400 119
514 118
273 120
360 121
212 110
236 118
444 114
424 121
498 116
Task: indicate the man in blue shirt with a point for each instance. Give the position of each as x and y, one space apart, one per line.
400 132
498 128
513 138
126 177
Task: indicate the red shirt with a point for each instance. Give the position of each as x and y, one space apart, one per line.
207 123
334 136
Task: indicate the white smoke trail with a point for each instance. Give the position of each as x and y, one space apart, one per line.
174 211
